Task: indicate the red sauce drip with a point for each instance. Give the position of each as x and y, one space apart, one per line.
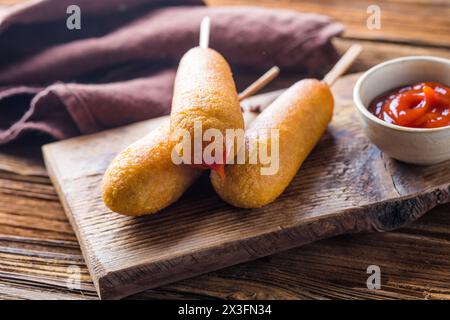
423 105
219 168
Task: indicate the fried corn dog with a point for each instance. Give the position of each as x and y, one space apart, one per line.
301 114
142 179
205 93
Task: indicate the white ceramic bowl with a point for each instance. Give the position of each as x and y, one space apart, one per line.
412 145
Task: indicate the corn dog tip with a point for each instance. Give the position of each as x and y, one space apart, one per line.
205 95
301 115
142 179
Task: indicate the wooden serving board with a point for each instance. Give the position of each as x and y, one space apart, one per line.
346 185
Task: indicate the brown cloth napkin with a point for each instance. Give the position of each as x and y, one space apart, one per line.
119 68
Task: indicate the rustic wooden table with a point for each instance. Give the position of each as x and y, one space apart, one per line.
38 249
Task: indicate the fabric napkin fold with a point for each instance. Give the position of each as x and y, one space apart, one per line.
119 68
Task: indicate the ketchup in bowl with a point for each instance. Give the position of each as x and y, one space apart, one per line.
423 105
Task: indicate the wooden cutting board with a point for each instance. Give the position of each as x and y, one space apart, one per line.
346 185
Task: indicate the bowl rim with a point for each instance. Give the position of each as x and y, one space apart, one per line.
364 111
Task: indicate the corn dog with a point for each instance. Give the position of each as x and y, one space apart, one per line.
301 114
142 178
205 93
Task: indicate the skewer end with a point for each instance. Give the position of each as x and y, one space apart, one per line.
261 82
204 32
343 64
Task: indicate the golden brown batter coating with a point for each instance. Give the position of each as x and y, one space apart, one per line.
142 179
301 114
205 91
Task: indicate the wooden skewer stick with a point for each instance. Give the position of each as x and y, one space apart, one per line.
260 83
338 69
204 32
342 65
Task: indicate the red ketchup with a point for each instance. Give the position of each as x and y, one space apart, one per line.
219 168
423 105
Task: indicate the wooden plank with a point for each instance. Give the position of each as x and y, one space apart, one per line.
23 160
377 52
418 22
407 21
333 268
336 268
10 2
355 189
373 53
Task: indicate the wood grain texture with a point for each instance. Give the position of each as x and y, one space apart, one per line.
346 185
406 21
414 263
413 260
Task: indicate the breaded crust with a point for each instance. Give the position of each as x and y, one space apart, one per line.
142 179
301 114
204 91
